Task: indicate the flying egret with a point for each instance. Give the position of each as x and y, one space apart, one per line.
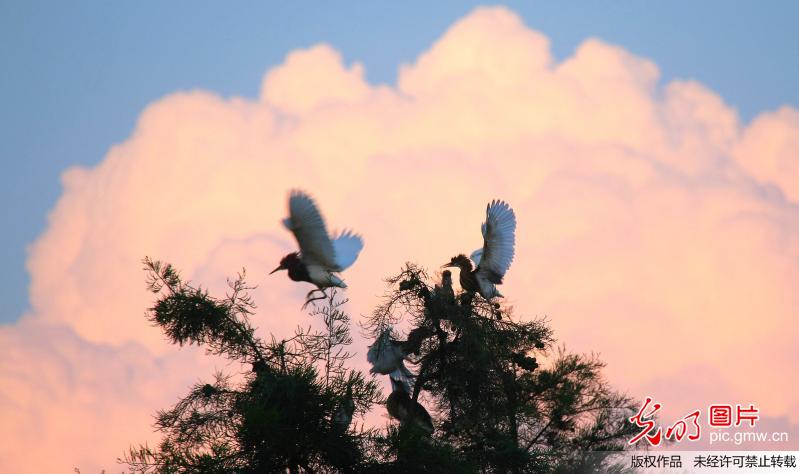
493 260
320 257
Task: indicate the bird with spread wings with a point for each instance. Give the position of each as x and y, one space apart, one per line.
493 260
320 257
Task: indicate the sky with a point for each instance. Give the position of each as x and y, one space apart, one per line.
649 151
77 77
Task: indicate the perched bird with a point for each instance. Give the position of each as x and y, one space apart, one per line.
493 260
343 415
438 306
415 339
444 290
387 357
400 406
320 257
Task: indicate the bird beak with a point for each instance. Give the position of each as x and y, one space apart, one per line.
276 269
447 265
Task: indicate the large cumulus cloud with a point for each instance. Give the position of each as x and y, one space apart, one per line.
654 227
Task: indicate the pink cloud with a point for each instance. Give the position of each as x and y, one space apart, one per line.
654 228
324 82
67 402
769 150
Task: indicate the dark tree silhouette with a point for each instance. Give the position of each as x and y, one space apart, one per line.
501 396
290 412
495 408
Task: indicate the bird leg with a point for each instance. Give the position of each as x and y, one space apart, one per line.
309 300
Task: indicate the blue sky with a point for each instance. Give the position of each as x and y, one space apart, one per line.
75 76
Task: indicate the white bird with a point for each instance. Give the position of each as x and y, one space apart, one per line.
492 261
387 357
320 257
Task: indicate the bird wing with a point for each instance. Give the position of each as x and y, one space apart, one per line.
373 353
402 376
381 344
308 227
384 354
477 255
499 240
347 246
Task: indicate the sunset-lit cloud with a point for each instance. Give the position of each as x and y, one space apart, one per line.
653 227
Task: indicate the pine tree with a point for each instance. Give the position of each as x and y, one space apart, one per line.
502 397
290 412
496 407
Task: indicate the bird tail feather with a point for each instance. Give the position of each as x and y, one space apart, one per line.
336 281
